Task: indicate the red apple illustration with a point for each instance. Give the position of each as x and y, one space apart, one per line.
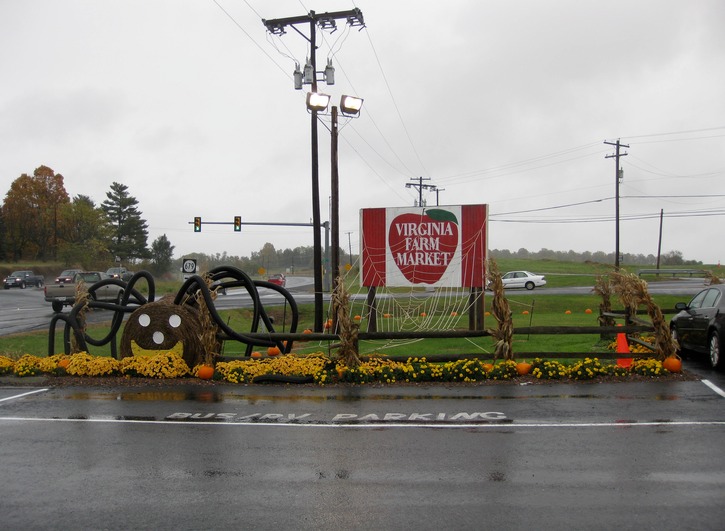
423 245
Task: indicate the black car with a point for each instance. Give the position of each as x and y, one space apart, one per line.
700 324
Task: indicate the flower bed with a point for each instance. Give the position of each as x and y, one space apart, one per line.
321 370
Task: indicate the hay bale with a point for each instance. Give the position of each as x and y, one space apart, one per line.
163 326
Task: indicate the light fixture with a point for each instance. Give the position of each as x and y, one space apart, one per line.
297 76
317 101
329 73
350 105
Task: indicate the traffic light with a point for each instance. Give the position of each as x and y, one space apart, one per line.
197 224
237 223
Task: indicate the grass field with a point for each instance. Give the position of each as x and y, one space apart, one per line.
543 310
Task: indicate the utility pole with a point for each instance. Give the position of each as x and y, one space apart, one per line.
617 178
325 21
437 191
659 242
349 246
420 186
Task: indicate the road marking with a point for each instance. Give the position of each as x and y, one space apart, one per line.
22 395
714 387
378 425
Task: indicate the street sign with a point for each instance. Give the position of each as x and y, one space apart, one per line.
189 266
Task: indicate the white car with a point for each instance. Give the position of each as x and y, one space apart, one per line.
522 279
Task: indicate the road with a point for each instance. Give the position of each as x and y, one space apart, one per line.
554 456
26 310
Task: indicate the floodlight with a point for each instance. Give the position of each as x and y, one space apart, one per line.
317 101
350 105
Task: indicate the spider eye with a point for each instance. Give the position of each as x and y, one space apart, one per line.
144 320
174 321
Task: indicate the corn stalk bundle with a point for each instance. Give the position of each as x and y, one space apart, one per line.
603 288
209 329
81 298
501 311
632 290
711 278
347 329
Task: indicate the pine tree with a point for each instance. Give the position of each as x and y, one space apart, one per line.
130 231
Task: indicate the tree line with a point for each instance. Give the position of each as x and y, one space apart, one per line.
39 221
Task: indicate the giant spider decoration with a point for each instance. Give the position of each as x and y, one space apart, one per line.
172 324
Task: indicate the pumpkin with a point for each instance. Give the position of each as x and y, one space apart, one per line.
523 368
63 363
423 314
488 367
307 331
205 372
358 317
588 310
256 354
673 364
273 351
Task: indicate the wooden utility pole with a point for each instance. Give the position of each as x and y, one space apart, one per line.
420 186
617 179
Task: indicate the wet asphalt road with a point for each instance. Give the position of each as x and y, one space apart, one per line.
553 456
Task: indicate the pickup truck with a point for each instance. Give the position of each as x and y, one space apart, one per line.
63 293
21 279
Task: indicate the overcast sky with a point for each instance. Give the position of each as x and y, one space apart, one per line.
190 103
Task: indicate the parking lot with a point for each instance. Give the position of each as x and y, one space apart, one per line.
564 456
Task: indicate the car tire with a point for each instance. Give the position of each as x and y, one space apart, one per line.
39 284
22 285
529 285
714 350
57 306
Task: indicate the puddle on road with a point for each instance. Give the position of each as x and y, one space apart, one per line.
214 396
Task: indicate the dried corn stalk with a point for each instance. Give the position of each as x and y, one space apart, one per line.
603 288
712 278
632 290
81 298
347 329
502 313
209 329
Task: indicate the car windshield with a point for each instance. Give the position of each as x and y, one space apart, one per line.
18 273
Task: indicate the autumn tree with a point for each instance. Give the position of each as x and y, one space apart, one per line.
85 234
31 215
129 230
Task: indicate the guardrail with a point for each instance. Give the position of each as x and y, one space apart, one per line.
673 272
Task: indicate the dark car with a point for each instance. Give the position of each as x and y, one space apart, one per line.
278 279
700 324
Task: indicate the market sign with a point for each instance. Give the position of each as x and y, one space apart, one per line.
436 246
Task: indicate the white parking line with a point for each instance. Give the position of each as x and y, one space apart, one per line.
378 425
714 387
22 395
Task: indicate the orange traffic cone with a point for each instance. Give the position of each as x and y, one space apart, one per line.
623 348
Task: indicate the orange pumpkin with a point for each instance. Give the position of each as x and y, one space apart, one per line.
205 372
63 363
273 351
307 331
673 364
523 368
256 354
488 367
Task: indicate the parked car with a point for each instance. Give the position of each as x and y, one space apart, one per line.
522 279
64 293
21 279
67 275
700 324
278 279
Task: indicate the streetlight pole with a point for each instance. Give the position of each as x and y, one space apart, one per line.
277 27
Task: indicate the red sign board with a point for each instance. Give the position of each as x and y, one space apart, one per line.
431 246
